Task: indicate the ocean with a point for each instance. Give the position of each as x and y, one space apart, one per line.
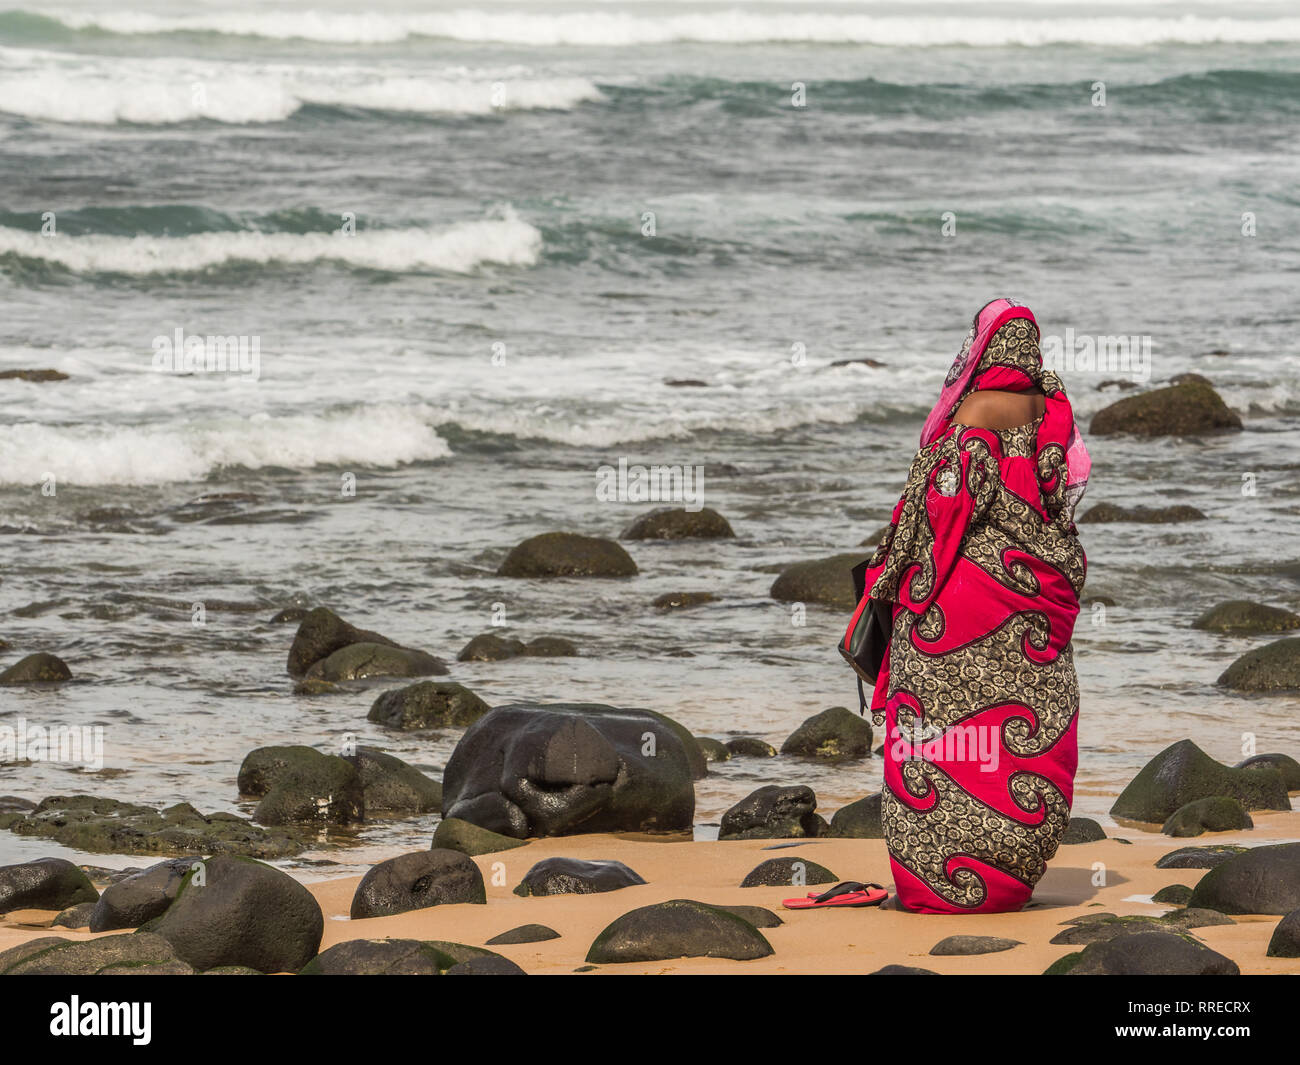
473 252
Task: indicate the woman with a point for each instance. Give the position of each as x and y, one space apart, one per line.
984 569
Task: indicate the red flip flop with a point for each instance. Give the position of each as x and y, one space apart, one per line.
849 893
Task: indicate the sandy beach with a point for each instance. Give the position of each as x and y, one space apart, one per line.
836 942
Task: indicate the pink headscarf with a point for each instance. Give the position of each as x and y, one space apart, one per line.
991 317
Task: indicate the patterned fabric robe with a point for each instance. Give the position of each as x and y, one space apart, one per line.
978 691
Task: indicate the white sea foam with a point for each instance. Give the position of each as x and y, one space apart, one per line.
105 453
148 93
734 26
459 248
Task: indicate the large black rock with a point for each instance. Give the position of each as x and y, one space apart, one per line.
242 912
679 928
1146 954
1261 880
418 880
140 897
773 812
573 876
45 884
1183 773
559 769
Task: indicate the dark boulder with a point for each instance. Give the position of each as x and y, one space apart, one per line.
750 747
390 786
39 668
859 820
773 812
300 785
1182 773
1260 880
489 647
713 750
141 897
565 554
358 661
677 523
1285 942
1189 408
1082 830
553 770
391 957
1242 617
1283 763
77 916
136 953
417 881
903 970
788 872
836 735
454 834
235 911
375 957
1215 814
1097 928
679 928
828 581
1109 513
963 946
572 876
1199 857
1271 668
525 933
45 884
431 704
323 632
1146 954
1173 895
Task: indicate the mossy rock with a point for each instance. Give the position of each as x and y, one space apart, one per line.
750 747
676 523
1274 667
489 647
827 581
1283 763
836 735
359 661
300 785
1215 814
1146 953
1259 880
1189 408
565 554
1240 617
859 820
788 872
430 704
713 750
454 834
1183 773
392 957
1082 830
1173 895
679 928
39 668
44 884
107 826
1109 513
390 786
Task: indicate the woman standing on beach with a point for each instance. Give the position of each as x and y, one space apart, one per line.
982 568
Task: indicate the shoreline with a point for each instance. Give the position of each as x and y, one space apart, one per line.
836 942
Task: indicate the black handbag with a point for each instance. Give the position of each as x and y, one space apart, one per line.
867 637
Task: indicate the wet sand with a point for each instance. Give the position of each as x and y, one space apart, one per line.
1105 876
